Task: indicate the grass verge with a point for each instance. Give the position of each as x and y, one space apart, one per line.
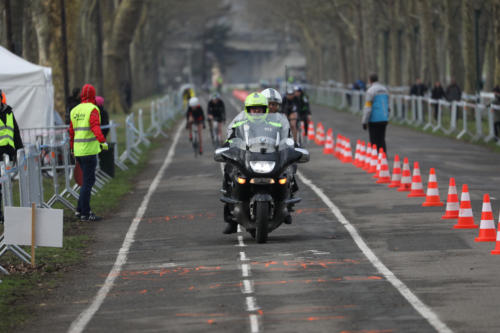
24 289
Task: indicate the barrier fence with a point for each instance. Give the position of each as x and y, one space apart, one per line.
473 116
47 154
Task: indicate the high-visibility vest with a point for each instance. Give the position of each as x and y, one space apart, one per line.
7 131
85 142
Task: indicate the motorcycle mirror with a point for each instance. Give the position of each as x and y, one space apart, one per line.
305 155
218 154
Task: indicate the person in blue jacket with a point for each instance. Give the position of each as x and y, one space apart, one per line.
376 112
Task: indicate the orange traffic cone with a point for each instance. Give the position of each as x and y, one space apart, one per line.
452 205
320 135
368 157
374 160
384 175
337 146
406 177
356 153
432 196
416 183
362 153
310 131
379 161
487 231
497 244
396 173
328 149
465 217
347 151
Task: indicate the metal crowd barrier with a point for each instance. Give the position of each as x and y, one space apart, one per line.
472 116
47 154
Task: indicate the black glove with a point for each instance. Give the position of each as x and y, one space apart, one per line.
365 127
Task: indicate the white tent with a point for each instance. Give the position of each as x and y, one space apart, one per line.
28 89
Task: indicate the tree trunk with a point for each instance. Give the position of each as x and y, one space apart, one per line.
344 70
469 47
117 80
454 46
360 40
46 21
496 21
429 59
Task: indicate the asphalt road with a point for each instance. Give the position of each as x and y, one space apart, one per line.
181 274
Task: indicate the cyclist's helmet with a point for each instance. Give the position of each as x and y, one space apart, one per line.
256 99
298 88
194 102
289 91
215 96
272 95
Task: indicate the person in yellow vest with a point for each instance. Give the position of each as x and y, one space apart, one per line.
10 138
87 141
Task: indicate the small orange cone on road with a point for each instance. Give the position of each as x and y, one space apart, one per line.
347 151
384 175
368 157
417 189
465 217
310 131
356 153
328 149
406 177
452 204
497 244
432 197
374 160
362 155
320 135
338 146
379 163
396 173
487 231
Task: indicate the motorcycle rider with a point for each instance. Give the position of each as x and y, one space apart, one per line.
256 109
216 111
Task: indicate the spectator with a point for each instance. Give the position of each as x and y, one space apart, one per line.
376 112
496 113
71 102
453 91
437 93
86 141
418 89
10 136
104 115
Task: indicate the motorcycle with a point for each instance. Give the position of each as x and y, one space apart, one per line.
260 162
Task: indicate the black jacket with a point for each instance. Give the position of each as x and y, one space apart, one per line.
18 142
437 93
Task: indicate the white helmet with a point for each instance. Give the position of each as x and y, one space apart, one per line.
194 101
272 95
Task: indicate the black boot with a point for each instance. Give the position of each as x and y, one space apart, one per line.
231 228
288 219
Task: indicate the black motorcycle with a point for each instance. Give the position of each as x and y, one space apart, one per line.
259 164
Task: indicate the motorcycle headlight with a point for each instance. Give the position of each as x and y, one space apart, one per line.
262 166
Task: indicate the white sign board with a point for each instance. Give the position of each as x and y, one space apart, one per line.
48 226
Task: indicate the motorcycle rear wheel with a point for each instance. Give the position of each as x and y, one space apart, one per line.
261 218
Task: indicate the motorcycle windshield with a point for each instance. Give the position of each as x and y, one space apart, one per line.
269 134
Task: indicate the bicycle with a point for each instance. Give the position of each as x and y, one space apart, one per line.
214 133
195 140
300 133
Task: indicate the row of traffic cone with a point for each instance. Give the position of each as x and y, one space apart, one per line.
366 157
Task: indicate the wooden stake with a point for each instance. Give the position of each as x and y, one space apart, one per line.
33 236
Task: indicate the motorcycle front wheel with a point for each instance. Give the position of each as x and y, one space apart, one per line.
261 219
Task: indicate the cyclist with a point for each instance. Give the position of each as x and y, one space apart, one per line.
303 109
289 107
216 111
195 115
273 99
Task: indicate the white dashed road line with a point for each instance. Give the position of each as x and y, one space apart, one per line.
417 304
79 324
